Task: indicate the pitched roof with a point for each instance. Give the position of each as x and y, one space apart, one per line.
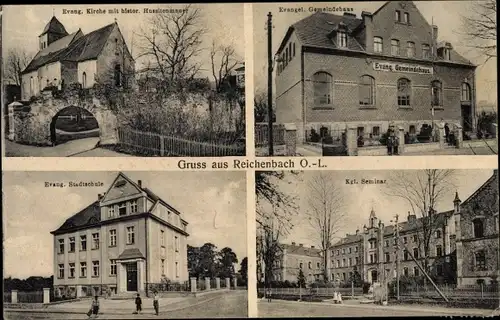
54 26
301 250
348 239
90 215
75 48
131 253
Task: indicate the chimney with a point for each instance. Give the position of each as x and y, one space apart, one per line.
411 217
139 182
349 14
99 197
301 244
368 23
293 243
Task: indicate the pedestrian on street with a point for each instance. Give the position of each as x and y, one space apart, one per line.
94 309
155 302
138 304
268 294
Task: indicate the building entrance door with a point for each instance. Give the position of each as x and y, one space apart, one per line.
466 118
374 276
131 276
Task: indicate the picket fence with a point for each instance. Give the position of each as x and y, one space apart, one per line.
163 145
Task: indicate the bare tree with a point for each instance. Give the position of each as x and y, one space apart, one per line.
480 27
223 59
173 41
16 61
325 212
423 191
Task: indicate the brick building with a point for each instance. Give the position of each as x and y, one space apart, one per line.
100 56
127 238
294 257
371 71
478 236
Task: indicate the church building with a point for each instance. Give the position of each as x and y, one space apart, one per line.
102 56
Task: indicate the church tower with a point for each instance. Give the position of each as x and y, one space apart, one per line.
54 30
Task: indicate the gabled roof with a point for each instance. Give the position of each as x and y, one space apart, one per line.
493 180
77 49
301 250
90 215
54 26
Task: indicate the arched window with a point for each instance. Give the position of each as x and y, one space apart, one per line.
478 228
84 80
437 93
404 92
480 260
405 271
367 91
405 255
322 86
466 96
118 78
439 251
378 46
310 265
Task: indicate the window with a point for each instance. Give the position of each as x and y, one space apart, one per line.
397 17
372 258
133 206
405 271
83 269
405 255
438 234
378 46
71 270
322 86
130 235
439 269
415 237
367 91
349 262
300 265
415 253
122 209
350 250
61 271
395 241
387 257
343 250
376 133
372 244
95 241
177 245
439 251
437 92
406 18
446 54
343 263
177 269
356 249
404 92
112 267
95 268
410 49
162 266
83 243
416 271
342 39
317 265
426 51
290 51
118 75
84 80
338 263
338 252
395 47
111 211
355 261
162 238
466 92
480 260
309 265
112 237
72 244
478 228
294 49
61 245
405 240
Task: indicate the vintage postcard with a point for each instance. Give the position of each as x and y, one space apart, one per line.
375 78
116 80
348 243
125 245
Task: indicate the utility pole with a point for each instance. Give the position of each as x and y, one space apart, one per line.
270 81
397 257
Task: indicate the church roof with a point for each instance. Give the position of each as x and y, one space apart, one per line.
77 49
54 26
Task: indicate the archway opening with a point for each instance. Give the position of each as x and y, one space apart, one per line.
73 123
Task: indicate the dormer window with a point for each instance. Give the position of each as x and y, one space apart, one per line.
342 38
444 51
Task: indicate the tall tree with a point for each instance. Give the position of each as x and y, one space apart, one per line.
301 279
173 41
423 190
244 269
16 61
479 27
223 60
325 212
227 259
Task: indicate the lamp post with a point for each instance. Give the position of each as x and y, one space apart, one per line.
270 82
396 238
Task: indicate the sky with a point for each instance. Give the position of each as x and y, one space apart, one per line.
360 199
23 24
213 203
445 14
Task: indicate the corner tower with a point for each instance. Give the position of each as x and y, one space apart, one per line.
53 31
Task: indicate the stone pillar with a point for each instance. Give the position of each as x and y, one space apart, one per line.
194 284
401 139
207 283
291 139
217 283
11 135
441 135
352 141
459 135
494 130
228 283
79 291
13 296
46 295
235 282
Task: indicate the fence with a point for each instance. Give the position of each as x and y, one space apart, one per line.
24 297
314 291
262 134
162 145
452 291
169 287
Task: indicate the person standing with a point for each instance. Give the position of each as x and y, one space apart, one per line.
94 308
138 304
268 294
156 303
